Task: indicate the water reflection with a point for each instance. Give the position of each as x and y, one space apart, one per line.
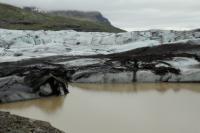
139 87
48 105
52 104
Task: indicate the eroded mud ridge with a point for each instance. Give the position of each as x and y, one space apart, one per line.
15 124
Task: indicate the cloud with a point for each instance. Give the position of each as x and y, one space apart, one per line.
131 14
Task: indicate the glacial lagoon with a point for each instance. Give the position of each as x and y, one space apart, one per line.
118 108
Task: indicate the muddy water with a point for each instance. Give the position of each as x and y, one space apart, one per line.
119 108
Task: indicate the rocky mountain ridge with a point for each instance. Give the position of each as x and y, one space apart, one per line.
93 16
30 18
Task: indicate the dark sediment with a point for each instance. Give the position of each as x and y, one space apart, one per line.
15 124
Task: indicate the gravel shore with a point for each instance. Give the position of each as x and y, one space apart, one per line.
10 123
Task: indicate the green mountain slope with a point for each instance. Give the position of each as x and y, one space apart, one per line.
16 18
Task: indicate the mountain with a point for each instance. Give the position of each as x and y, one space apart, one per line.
12 17
94 16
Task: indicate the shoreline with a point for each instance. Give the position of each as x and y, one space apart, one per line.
12 123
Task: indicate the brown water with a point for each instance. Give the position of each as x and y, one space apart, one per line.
119 108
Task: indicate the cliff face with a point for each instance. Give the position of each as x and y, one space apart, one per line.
94 16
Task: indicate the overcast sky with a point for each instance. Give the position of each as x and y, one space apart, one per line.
131 14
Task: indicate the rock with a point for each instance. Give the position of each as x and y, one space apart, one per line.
15 124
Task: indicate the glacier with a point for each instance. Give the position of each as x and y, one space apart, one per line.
31 62
18 44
